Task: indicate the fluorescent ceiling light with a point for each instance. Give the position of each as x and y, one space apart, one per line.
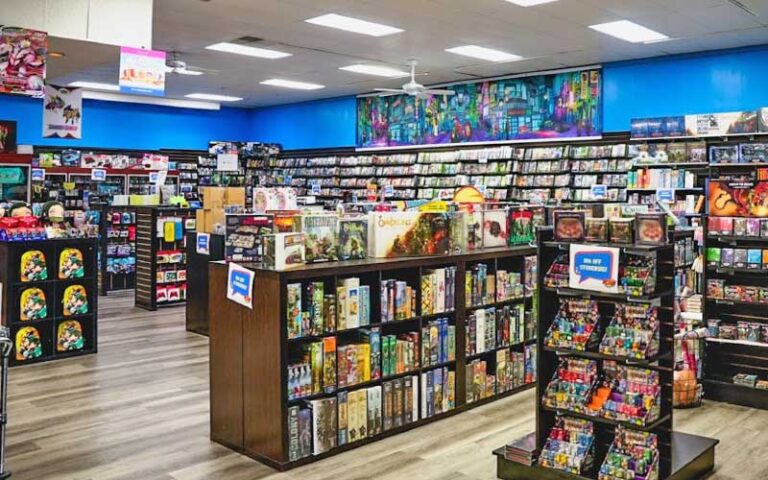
484 53
629 31
378 70
213 97
277 82
246 50
530 3
95 86
182 71
354 25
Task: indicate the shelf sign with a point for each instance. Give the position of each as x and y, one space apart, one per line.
98 174
599 192
38 174
594 268
665 195
240 285
203 246
389 190
315 189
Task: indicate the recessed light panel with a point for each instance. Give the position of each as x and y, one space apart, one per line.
484 53
354 25
530 3
279 82
212 97
247 50
377 70
95 86
629 31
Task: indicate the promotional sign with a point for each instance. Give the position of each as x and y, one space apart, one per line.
703 125
389 190
142 71
665 195
599 192
8 136
240 285
98 175
734 200
203 246
62 112
537 107
594 268
227 162
37 174
22 61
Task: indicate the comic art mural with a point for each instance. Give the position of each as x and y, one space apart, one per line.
556 106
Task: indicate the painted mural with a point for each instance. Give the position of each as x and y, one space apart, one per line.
543 107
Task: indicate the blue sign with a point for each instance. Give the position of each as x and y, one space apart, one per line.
98 175
315 189
599 192
665 195
38 174
240 285
597 265
389 190
203 244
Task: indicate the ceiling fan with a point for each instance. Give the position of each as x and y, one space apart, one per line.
178 66
413 88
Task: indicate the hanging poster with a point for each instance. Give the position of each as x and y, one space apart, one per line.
541 107
62 112
7 136
732 199
142 71
22 61
240 285
594 268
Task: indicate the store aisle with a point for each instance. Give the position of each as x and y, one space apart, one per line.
139 410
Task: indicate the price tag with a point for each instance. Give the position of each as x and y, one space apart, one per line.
98 175
599 192
315 189
665 195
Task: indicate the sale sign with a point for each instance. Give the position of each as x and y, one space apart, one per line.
240 285
594 268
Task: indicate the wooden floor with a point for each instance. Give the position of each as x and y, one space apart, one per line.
139 410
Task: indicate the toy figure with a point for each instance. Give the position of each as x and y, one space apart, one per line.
20 209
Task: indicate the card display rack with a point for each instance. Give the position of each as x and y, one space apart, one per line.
49 298
252 410
679 456
161 255
117 248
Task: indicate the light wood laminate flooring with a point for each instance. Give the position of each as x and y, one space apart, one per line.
139 410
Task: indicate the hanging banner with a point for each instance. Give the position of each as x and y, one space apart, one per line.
594 268
240 285
62 112
142 71
7 136
556 106
22 61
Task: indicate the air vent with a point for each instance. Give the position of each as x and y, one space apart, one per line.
247 40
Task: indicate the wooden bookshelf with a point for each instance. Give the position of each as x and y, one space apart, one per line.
249 349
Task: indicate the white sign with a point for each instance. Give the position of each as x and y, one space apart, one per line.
142 71
158 178
62 112
665 195
227 162
594 268
203 246
240 285
98 174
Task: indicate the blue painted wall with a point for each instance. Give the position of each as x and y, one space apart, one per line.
709 82
319 124
131 126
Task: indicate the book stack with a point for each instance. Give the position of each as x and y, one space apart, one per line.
438 391
400 402
400 353
523 450
438 291
353 304
398 301
438 342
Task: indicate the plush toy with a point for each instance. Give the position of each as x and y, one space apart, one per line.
20 209
53 212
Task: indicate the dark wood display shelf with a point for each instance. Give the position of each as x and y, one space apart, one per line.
655 425
651 363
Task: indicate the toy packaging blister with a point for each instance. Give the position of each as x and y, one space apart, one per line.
75 300
32 305
33 266
28 344
69 336
71 264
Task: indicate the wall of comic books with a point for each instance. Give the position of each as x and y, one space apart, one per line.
557 106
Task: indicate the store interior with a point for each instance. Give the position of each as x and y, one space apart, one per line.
513 239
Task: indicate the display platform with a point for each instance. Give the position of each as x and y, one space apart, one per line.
693 457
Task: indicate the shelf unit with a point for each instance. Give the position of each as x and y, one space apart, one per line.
56 291
117 230
197 280
149 243
251 350
680 456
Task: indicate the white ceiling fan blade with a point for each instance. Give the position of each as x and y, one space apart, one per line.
392 90
439 92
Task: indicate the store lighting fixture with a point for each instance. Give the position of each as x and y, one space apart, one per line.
484 53
95 86
530 3
278 82
377 70
629 31
354 25
240 49
212 97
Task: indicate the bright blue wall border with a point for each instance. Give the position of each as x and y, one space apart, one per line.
130 125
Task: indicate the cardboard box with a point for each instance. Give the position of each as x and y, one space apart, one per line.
214 197
404 234
217 219
235 196
200 220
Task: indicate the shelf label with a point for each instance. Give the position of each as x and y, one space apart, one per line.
240 285
665 195
389 190
594 268
203 244
315 189
599 192
38 174
98 174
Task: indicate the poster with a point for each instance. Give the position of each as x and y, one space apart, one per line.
243 234
541 107
7 136
22 61
240 285
594 268
62 112
142 71
738 200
